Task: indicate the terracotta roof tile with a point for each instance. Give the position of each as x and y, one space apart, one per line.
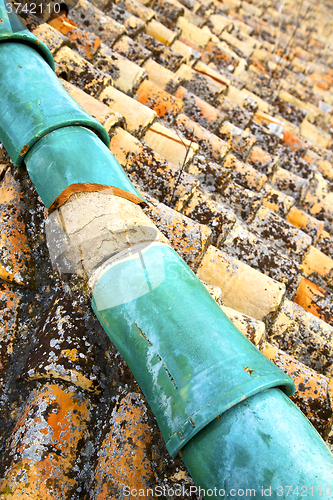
204 210
9 309
124 461
315 300
162 77
200 111
212 146
189 238
241 142
312 389
15 252
280 233
243 288
201 85
137 116
163 103
160 32
246 246
132 23
139 9
144 167
277 201
173 147
62 349
132 50
78 71
92 19
43 450
245 175
108 117
310 225
126 75
269 236
160 53
301 334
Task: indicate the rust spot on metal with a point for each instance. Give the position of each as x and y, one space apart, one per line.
248 370
179 434
1 21
191 421
20 67
24 149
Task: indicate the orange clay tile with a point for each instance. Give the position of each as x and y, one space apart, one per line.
281 234
165 105
323 166
212 146
129 48
195 34
176 149
201 85
160 32
220 57
124 458
244 174
138 117
123 145
312 389
278 202
303 335
189 238
244 289
80 72
319 208
325 243
317 264
86 43
105 115
42 451
139 9
14 249
63 350
252 328
310 225
63 24
50 36
9 303
290 183
241 142
205 70
190 54
199 110
292 140
315 134
152 172
161 76
311 297
204 210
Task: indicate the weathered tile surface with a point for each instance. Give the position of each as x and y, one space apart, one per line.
243 288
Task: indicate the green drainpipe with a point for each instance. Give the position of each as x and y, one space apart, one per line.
218 401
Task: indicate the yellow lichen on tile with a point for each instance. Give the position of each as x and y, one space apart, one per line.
176 149
124 460
44 445
138 116
109 118
244 289
15 253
